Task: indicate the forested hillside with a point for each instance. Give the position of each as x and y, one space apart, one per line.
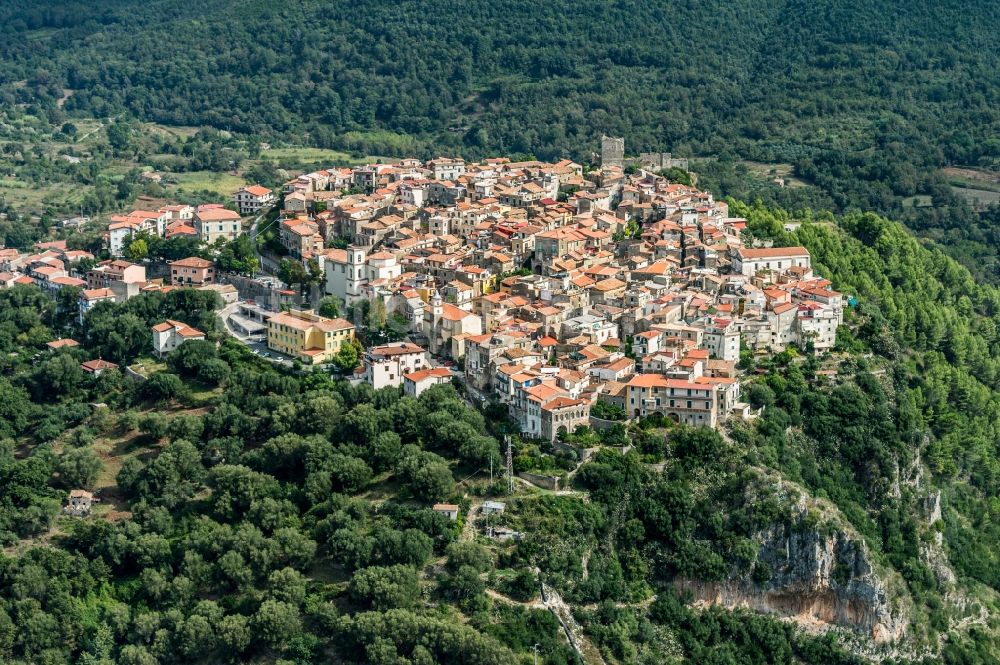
865 100
258 515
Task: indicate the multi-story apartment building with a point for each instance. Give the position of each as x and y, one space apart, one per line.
251 200
307 336
192 271
214 223
682 401
748 261
385 365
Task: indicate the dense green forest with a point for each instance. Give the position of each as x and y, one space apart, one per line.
866 101
261 515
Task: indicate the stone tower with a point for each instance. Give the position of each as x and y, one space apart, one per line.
612 151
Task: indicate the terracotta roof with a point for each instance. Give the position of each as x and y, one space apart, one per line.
179 327
257 190
217 215
326 325
192 262
420 375
399 348
771 252
452 313
93 294
97 365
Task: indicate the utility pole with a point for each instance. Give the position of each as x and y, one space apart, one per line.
534 653
510 466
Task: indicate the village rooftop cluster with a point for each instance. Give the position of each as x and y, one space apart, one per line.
541 285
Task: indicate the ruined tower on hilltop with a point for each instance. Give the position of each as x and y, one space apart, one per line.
612 151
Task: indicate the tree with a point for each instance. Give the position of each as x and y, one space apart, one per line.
463 584
56 377
214 371
376 316
168 480
331 307
236 487
153 424
384 450
386 587
432 482
119 134
15 409
697 445
469 554
79 467
163 386
234 633
350 474
239 256
293 272
195 637
136 655
137 250
346 359
116 336
188 358
288 585
607 411
276 623
523 586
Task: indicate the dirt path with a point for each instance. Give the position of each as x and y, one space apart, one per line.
102 126
469 528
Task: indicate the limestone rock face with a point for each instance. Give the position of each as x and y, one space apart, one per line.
816 579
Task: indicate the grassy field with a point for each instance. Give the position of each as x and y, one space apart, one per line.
223 184
769 172
293 156
919 201
168 131
307 155
22 195
979 199
973 177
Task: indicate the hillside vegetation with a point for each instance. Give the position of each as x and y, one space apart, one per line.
253 515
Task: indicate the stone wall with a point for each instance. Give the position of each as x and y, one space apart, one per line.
538 480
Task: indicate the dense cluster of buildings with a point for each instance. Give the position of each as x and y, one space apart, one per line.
554 287
53 267
547 286
209 223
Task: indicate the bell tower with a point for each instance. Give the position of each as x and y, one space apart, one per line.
356 273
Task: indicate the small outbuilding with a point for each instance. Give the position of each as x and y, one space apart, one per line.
449 509
79 504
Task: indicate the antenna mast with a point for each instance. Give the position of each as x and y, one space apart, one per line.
510 466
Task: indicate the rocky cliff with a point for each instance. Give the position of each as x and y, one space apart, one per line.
816 578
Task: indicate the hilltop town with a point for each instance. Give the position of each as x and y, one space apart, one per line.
574 297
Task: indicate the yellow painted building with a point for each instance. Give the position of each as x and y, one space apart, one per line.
305 335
